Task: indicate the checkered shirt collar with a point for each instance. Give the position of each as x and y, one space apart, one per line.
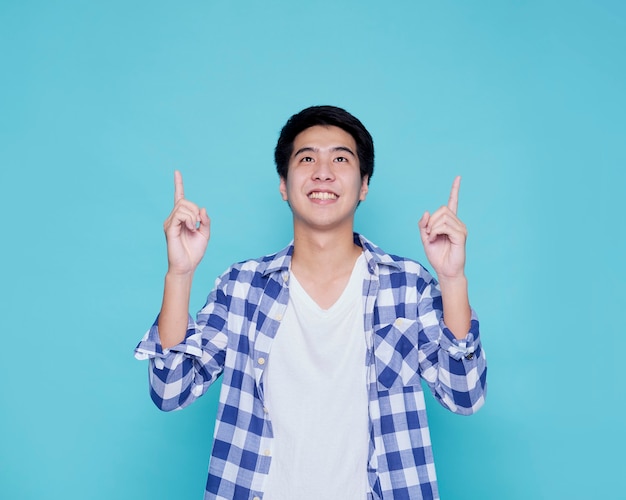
373 255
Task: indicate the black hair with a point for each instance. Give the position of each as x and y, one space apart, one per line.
325 116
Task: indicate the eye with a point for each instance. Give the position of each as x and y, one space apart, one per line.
341 159
306 159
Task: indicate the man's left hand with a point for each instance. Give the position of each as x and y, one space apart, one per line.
443 236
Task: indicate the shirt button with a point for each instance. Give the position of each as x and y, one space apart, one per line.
261 361
265 410
279 317
285 277
470 356
266 453
256 498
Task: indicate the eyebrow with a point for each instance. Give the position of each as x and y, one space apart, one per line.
315 150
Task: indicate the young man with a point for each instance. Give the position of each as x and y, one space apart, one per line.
323 345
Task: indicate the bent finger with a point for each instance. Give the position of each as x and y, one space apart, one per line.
455 233
183 216
444 213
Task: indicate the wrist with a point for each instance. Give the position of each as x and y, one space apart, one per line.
178 279
453 282
456 308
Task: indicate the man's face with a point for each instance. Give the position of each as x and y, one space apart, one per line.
323 185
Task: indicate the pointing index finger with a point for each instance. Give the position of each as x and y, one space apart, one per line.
453 201
179 191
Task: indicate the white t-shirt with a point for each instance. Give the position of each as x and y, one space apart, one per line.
316 396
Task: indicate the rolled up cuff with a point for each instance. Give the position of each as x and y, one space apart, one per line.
461 348
150 345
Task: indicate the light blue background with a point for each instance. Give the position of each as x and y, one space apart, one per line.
101 101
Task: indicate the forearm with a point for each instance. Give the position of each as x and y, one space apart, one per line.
452 360
456 308
174 315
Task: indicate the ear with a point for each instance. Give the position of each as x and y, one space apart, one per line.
283 188
364 188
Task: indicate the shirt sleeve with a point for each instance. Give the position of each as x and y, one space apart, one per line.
454 369
182 373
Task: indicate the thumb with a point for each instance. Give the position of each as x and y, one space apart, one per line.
205 224
423 224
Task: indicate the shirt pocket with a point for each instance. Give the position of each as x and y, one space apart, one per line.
396 354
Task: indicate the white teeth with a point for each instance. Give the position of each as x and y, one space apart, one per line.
323 196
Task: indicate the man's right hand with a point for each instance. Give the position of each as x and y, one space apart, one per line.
187 230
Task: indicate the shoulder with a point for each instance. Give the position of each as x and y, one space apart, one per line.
388 264
258 269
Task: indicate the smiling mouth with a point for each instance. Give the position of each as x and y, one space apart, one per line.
322 195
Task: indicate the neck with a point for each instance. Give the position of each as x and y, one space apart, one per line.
324 253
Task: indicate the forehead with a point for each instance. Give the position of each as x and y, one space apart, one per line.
324 136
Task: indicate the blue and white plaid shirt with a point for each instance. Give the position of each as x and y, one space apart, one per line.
406 340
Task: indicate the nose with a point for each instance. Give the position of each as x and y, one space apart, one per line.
323 170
